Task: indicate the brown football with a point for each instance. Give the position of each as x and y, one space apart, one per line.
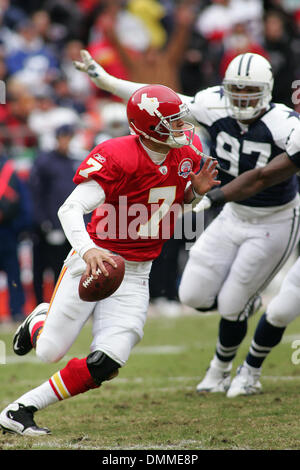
93 290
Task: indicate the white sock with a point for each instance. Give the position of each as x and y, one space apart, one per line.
225 366
40 397
253 370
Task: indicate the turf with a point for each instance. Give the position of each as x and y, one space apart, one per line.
153 403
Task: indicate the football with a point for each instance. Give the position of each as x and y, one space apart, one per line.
93 290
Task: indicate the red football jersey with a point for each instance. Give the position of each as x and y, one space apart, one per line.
142 198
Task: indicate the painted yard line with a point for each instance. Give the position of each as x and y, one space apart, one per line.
147 350
166 349
59 444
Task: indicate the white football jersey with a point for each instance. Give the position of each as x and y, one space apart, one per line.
240 147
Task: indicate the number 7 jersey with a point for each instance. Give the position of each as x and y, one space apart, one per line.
142 200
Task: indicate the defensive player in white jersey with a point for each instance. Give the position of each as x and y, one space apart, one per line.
248 243
285 306
149 173
251 239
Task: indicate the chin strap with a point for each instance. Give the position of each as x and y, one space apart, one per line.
146 136
201 154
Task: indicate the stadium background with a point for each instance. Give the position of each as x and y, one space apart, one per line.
185 45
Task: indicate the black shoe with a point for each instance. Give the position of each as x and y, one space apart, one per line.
17 418
22 341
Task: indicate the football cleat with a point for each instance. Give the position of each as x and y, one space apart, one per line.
22 341
244 383
17 418
215 380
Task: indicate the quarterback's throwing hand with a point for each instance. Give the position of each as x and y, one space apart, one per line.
205 180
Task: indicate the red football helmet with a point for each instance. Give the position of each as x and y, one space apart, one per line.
151 111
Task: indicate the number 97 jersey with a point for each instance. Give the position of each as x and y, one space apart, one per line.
239 147
142 199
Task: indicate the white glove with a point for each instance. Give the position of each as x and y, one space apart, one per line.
204 204
98 75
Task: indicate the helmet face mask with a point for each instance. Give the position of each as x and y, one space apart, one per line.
246 102
176 136
248 85
156 112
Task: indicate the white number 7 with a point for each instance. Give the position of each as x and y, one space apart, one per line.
94 166
168 194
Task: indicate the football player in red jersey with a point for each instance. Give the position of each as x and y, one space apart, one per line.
147 173
256 142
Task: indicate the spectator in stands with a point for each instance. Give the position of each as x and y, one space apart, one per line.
151 12
11 14
66 18
32 62
114 122
79 84
15 218
9 39
15 133
64 97
47 116
277 39
43 27
239 41
216 20
51 181
156 65
129 32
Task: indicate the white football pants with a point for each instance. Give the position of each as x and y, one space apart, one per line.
285 306
118 321
235 259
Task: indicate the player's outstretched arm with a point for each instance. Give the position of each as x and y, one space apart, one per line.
250 182
103 80
116 86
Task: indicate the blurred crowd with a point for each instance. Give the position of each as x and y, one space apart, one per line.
53 115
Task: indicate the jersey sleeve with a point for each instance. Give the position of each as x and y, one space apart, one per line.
293 144
208 105
284 125
101 167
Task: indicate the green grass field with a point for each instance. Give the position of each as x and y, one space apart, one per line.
153 403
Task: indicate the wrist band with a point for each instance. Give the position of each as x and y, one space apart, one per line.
197 196
216 196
